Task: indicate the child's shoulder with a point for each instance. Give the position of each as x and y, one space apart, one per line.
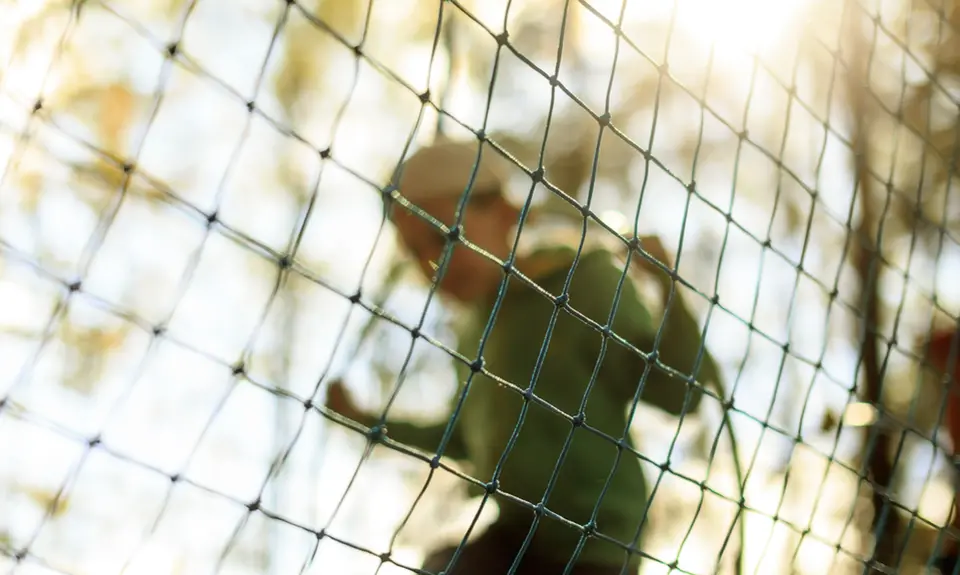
602 273
551 260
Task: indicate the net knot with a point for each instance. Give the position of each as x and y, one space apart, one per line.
377 433
476 366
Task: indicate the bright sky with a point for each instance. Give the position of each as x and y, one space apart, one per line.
154 398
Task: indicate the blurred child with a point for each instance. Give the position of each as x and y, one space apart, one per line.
947 361
578 392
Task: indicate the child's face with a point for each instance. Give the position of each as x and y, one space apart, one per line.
469 275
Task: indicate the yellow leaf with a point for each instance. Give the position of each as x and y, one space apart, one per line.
116 110
47 500
344 16
30 184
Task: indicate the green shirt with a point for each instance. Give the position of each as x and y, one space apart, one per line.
491 411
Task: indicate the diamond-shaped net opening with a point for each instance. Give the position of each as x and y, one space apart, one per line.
194 244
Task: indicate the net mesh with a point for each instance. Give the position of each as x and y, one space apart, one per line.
194 245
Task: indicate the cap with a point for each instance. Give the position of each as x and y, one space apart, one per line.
443 170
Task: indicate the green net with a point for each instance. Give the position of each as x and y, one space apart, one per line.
194 245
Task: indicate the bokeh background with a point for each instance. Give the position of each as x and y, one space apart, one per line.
190 202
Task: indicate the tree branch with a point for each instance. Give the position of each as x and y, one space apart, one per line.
885 526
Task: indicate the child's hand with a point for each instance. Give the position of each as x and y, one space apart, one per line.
339 400
653 246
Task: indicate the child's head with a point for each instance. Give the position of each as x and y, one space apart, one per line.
434 179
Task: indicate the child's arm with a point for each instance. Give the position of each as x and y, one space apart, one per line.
681 338
680 344
592 293
424 437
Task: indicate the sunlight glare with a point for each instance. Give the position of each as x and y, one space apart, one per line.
749 25
860 415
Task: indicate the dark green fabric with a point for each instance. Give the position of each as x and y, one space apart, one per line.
491 411
495 551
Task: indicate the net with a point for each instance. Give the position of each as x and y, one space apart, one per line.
194 246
